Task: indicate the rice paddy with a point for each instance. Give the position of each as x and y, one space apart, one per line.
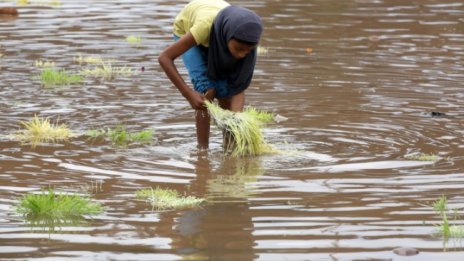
167 199
243 128
41 130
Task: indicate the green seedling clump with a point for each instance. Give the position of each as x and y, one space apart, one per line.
53 206
446 229
120 137
244 129
51 77
40 130
44 64
132 39
163 199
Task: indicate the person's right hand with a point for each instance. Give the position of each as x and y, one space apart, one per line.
196 100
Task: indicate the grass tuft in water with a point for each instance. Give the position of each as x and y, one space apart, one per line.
422 157
132 39
119 136
107 71
244 129
40 130
50 205
162 199
51 77
446 229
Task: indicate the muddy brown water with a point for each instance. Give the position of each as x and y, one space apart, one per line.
357 102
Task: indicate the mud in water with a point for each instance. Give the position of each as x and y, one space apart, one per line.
359 81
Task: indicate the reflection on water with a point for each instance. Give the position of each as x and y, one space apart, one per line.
356 104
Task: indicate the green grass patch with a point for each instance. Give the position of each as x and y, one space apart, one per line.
446 229
121 137
107 71
244 129
40 130
422 157
51 77
51 209
166 199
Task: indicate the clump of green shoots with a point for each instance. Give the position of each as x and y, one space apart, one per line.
261 50
243 129
448 231
121 137
107 71
162 199
39 130
51 77
422 157
52 209
132 39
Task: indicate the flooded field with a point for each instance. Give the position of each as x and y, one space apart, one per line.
363 83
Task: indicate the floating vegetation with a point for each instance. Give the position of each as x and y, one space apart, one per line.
132 39
445 229
107 71
40 130
51 77
51 209
119 136
243 128
422 157
44 64
163 199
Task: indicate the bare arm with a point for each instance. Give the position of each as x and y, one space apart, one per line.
166 61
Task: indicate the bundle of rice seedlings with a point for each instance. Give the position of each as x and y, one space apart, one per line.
51 205
119 136
89 60
39 130
167 199
44 64
422 157
244 129
50 209
51 77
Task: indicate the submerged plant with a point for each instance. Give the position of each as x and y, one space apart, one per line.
242 128
119 136
107 71
51 209
51 77
422 157
39 130
168 199
446 229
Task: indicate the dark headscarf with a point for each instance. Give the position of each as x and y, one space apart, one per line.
241 24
